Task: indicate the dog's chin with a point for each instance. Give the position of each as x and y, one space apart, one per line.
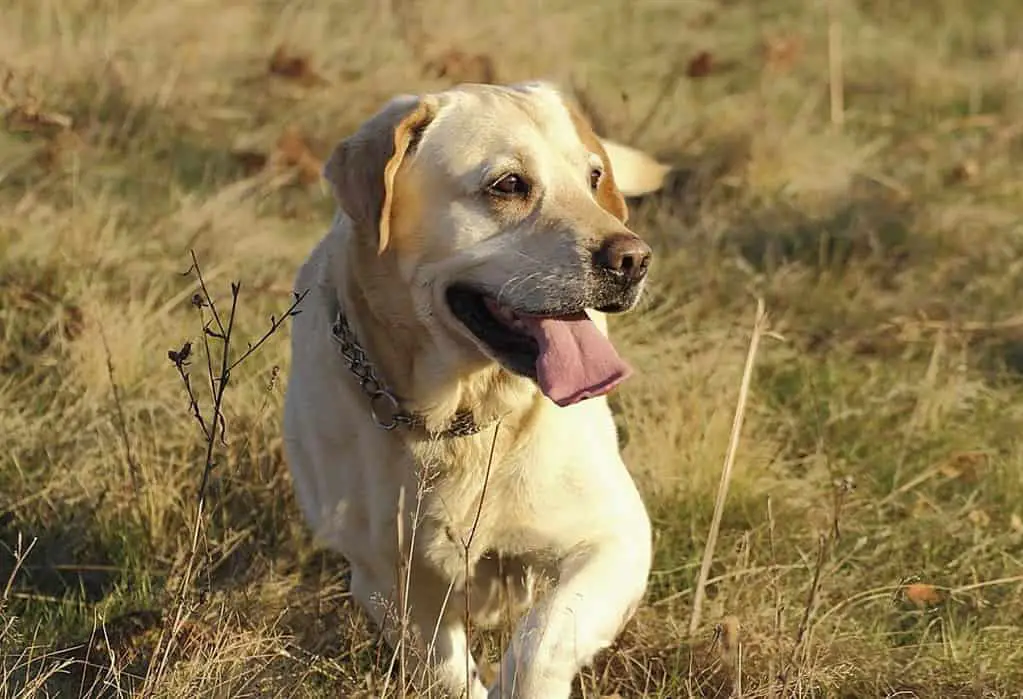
618 306
615 300
493 329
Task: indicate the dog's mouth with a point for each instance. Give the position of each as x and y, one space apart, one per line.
563 351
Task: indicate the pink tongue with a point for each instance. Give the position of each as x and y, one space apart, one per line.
576 360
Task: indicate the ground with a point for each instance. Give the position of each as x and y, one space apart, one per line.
853 163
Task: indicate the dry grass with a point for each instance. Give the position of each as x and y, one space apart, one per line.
872 540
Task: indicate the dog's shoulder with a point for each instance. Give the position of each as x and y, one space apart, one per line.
316 269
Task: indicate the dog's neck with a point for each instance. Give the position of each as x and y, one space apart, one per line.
408 359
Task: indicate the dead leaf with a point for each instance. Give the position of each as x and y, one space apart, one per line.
1016 523
24 112
979 518
782 52
922 594
59 147
965 171
966 465
250 161
462 67
701 65
29 117
293 151
294 67
728 634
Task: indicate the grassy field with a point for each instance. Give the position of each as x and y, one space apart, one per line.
855 165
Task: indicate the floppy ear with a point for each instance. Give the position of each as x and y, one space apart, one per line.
608 195
636 172
362 167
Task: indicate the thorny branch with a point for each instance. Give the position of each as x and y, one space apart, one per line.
213 425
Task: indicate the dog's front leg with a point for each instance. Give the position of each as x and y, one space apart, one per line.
438 614
599 590
438 656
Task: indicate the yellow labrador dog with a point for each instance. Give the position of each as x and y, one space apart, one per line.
445 421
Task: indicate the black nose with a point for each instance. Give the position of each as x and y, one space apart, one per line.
624 254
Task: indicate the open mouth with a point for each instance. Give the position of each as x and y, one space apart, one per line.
563 351
497 327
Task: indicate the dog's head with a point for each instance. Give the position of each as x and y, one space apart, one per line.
501 209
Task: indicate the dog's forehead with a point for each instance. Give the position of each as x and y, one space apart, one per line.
485 119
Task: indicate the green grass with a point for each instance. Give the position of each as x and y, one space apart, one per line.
884 416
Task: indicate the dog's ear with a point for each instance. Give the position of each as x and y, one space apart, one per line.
608 195
636 172
362 167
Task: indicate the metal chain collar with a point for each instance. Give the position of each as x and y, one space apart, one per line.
384 406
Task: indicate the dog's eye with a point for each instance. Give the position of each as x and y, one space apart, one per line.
595 175
511 185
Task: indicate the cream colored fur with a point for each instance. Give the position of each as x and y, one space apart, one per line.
401 505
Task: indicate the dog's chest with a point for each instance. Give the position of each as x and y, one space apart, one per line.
468 512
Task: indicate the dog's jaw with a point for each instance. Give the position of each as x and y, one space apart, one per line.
561 349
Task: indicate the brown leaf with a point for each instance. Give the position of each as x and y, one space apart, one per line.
965 171
59 146
922 594
461 67
250 161
293 151
294 67
1016 523
782 52
701 65
979 518
24 112
728 634
966 465
29 117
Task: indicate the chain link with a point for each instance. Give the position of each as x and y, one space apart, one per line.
384 406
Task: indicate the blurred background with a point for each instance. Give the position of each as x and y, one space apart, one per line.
853 163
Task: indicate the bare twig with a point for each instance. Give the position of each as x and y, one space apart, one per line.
404 582
811 597
759 323
180 360
404 566
275 324
197 271
835 74
843 487
811 603
214 429
216 421
122 423
467 544
21 552
778 605
218 400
